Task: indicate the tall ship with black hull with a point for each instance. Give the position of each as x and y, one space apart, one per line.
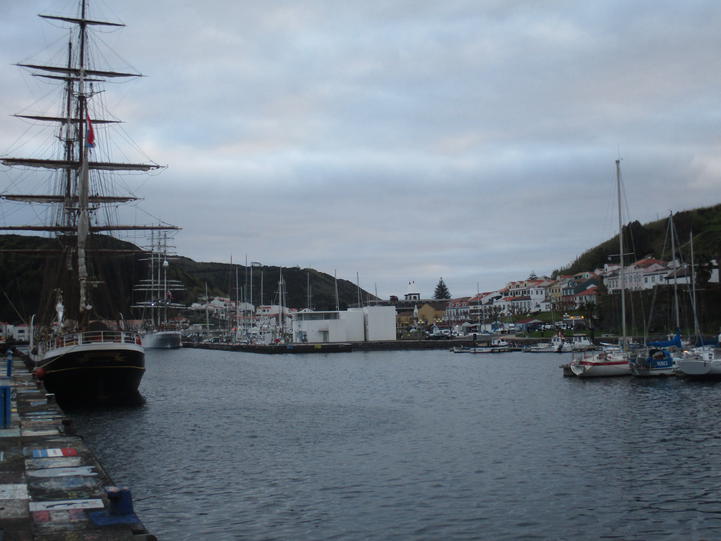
80 345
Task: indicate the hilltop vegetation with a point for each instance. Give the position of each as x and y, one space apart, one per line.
23 275
651 240
24 279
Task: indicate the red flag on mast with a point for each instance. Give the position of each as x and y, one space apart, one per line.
91 133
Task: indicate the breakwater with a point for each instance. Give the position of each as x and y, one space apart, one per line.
51 484
344 347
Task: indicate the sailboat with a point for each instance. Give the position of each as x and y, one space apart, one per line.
80 348
703 361
657 358
158 292
608 363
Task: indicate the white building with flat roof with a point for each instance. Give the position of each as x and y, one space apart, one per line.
366 324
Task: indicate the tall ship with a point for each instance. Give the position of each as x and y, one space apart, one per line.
80 345
156 298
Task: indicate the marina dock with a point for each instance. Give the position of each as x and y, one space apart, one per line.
52 487
339 347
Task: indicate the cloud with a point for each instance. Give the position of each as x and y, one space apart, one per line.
403 140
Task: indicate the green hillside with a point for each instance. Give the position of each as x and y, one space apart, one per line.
651 240
28 276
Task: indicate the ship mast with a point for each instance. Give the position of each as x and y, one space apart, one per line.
75 199
621 274
83 181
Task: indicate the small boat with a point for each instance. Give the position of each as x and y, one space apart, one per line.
580 342
600 364
586 364
652 362
557 344
560 344
703 363
498 345
704 360
79 344
657 359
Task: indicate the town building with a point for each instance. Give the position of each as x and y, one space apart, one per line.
365 324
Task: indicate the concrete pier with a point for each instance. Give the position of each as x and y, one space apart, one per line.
335 347
52 487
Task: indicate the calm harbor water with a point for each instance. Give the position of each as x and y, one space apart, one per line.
411 445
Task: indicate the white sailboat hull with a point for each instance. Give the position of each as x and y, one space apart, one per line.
703 363
600 365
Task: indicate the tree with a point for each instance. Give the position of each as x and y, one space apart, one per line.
441 290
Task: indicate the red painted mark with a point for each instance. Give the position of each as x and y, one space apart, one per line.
608 363
41 516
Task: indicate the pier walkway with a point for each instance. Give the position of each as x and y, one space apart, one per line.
52 488
339 347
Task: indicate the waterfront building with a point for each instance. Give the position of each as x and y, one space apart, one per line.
18 333
457 310
365 324
646 273
485 306
587 296
538 293
412 294
431 311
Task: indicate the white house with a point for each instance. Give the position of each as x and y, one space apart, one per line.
457 310
646 274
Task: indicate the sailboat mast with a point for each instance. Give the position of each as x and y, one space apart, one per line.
83 182
165 278
207 302
237 303
621 276
67 137
307 290
280 302
696 326
153 291
676 267
335 279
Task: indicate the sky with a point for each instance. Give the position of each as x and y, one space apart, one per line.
396 141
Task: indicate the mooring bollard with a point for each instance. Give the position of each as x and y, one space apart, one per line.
5 407
121 501
120 509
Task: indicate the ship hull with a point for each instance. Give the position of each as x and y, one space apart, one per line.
600 365
103 372
162 340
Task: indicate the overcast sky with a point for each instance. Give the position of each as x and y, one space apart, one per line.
401 140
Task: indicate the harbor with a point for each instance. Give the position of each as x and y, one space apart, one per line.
294 364
411 444
52 486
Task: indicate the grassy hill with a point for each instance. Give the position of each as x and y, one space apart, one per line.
651 240
26 279
653 311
